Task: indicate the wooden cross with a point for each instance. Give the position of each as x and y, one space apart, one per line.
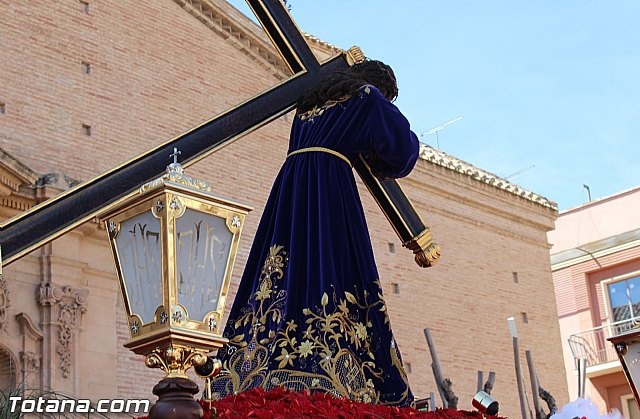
53 218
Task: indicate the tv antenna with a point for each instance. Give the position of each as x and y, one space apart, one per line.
514 174
439 128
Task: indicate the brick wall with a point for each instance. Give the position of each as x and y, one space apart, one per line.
157 71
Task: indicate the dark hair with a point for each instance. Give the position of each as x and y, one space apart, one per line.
343 84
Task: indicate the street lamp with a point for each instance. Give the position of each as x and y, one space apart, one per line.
174 244
628 349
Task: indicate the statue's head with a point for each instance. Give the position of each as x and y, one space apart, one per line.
345 83
378 74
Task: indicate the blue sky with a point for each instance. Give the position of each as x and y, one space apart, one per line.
549 84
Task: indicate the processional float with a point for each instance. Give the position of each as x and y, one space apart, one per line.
111 190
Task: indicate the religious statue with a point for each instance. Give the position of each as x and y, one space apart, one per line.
309 312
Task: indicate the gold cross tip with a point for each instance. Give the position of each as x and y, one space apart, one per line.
355 55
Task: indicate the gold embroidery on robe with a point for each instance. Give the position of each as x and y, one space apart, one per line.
325 347
319 110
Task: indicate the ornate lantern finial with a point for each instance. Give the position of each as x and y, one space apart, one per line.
175 167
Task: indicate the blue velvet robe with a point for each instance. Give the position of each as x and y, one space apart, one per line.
309 312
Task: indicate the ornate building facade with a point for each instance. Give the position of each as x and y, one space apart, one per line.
85 85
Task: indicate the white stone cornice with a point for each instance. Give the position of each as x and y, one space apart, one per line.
441 158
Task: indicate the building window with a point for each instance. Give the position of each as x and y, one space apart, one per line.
85 6
86 129
624 297
515 277
86 67
3 108
525 317
392 247
395 287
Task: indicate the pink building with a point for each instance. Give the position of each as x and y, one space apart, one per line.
595 261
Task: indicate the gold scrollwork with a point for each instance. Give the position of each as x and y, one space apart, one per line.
178 178
175 360
188 181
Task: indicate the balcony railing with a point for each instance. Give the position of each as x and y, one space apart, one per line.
593 345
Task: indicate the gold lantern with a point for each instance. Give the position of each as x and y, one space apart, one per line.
174 244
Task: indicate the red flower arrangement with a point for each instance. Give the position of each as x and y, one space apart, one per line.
280 403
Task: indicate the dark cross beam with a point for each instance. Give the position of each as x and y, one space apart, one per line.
53 218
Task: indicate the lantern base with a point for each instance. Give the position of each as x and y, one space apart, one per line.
175 400
175 350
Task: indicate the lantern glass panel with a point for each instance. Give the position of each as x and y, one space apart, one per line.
203 243
139 247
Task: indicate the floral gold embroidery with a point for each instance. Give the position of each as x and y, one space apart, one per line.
319 110
332 352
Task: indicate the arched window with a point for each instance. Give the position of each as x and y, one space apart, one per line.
8 369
